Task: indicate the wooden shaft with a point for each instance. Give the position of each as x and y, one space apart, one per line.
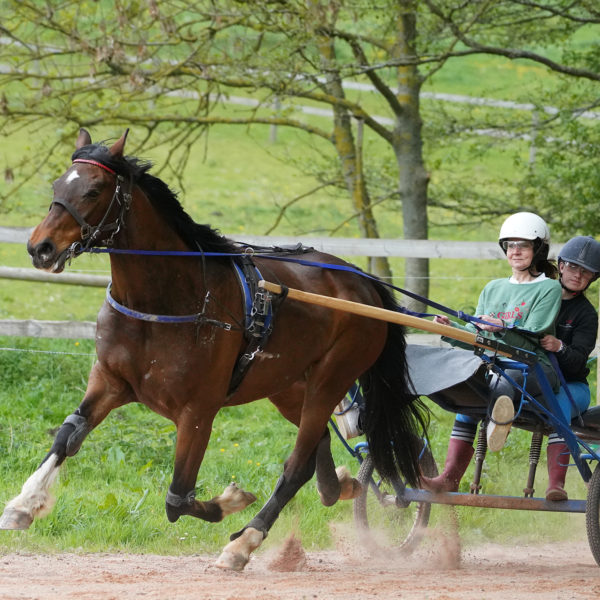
374 312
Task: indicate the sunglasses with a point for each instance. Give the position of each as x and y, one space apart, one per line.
573 268
521 245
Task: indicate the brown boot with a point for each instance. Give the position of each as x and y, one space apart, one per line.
558 460
457 460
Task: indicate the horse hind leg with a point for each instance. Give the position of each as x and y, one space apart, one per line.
338 482
236 554
350 487
333 484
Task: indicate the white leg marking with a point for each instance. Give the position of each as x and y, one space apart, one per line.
236 554
35 498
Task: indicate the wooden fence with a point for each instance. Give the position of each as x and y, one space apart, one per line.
339 246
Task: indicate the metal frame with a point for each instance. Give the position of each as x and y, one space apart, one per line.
552 416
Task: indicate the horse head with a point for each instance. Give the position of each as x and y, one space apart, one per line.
88 205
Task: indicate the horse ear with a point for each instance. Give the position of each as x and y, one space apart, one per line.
117 148
83 139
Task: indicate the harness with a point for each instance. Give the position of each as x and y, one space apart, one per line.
259 307
258 304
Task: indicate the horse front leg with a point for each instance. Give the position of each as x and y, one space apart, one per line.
298 469
192 439
35 500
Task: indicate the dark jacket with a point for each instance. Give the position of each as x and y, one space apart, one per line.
576 327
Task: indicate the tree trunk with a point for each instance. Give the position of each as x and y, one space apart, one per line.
413 178
349 151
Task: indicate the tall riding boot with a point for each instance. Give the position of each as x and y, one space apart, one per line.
558 460
457 460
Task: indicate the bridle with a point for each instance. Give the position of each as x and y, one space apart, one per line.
90 234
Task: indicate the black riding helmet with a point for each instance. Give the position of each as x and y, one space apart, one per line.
583 251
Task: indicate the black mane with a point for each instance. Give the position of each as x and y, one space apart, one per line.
195 235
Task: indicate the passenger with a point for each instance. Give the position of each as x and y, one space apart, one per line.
576 330
529 299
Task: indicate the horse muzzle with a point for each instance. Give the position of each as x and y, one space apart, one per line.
45 255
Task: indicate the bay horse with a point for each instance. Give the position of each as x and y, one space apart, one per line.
183 370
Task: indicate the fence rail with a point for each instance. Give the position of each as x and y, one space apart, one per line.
83 330
86 330
63 278
353 246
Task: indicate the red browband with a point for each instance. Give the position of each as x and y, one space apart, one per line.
94 162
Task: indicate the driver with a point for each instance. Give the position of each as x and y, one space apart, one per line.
529 299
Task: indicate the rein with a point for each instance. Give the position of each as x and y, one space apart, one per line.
270 256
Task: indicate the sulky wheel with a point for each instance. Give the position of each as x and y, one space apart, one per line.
592 514
382 521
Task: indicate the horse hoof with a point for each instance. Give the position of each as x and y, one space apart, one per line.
15 519
232 561
236 554
233 499
350 487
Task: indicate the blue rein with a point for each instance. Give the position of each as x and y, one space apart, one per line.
458 314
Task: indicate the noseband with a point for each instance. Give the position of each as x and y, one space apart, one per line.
90 234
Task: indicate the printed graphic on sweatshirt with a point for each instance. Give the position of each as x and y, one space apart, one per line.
514 316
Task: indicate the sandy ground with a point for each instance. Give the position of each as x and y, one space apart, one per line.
565 572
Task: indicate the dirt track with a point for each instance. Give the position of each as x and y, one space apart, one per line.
565 571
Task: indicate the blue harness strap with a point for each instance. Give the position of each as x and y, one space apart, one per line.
250 299
258 311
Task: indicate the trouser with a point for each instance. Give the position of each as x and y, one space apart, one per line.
580 392
465 427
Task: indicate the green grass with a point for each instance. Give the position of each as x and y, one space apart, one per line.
110 497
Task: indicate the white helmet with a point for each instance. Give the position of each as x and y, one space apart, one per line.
526 226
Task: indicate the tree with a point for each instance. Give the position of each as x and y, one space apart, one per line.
164 66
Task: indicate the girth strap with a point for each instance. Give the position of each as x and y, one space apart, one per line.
259 310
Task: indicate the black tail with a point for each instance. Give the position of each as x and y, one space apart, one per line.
395 419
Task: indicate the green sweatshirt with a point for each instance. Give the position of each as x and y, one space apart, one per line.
532 306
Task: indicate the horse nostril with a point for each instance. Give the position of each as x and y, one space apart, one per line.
42 251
